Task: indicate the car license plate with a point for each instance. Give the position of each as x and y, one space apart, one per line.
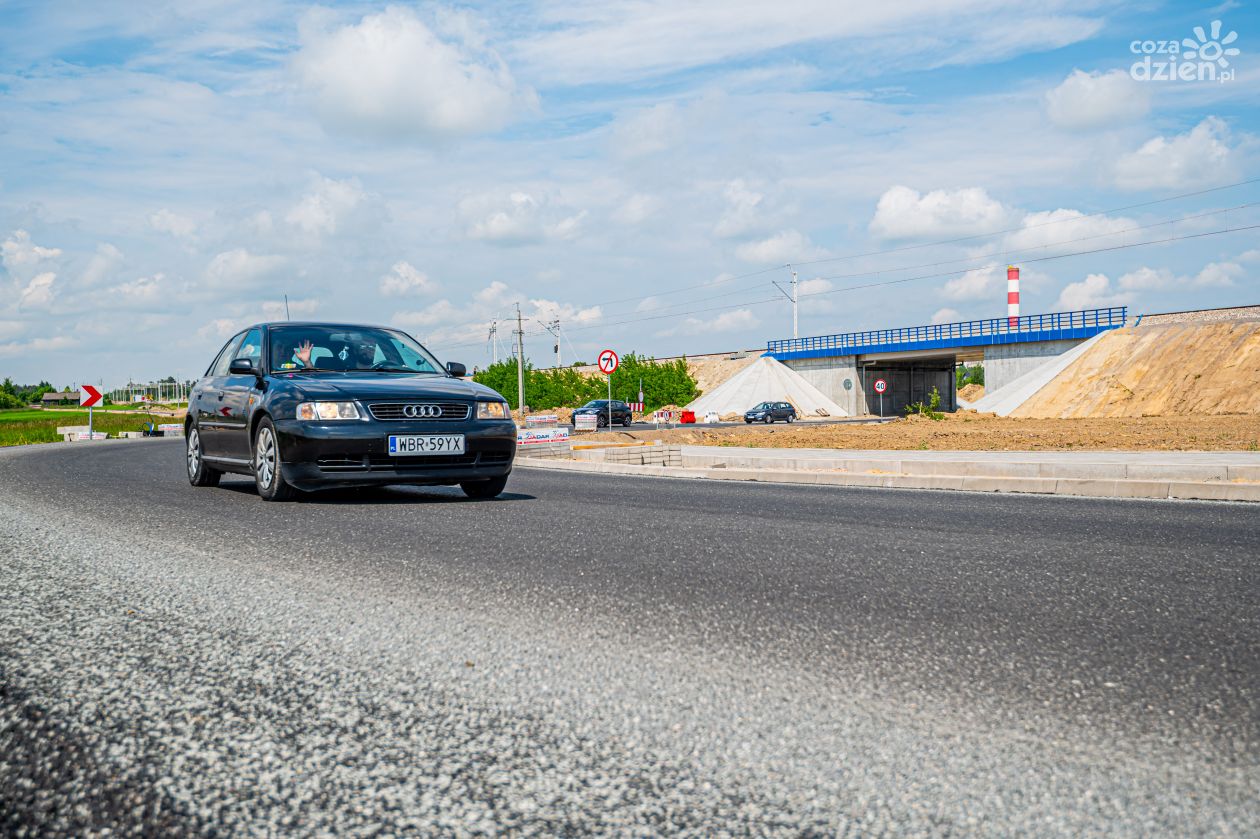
418 445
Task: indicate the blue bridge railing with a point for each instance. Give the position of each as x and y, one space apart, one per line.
1005 330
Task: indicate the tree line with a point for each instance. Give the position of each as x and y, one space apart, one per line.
664 383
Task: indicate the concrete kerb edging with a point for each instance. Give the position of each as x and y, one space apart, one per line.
1087 487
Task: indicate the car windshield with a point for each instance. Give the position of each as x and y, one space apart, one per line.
342 348
598 403
763 406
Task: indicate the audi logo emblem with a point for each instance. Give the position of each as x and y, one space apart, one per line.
421 411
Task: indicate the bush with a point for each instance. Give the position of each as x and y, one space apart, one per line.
9 401
930 410
973 375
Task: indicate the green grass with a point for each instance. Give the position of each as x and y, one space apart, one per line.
23 426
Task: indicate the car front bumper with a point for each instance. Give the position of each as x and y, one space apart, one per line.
356 453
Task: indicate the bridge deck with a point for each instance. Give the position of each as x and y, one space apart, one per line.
1055 326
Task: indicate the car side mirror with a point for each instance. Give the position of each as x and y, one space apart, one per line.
244 367
456 369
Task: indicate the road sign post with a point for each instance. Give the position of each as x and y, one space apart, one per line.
880 387
608 362
89 396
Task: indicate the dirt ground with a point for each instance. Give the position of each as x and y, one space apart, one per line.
970 431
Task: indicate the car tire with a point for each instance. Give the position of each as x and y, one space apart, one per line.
628 422
791 418
769 419
199 474
747 421
266 457
484 489
601 421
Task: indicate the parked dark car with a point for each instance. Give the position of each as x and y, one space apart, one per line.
770 411
305 406
621 412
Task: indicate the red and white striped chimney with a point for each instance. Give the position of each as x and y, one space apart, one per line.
1012 296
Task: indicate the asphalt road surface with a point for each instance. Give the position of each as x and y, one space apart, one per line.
617 656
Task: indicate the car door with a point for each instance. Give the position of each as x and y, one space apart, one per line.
622 412
208 400
237 390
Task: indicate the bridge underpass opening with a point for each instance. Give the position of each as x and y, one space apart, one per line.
910 382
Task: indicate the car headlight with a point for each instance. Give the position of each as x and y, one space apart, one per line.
327 411
492 410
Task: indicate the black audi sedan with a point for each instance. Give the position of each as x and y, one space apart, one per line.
307 406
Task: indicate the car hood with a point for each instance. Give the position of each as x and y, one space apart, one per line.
374 386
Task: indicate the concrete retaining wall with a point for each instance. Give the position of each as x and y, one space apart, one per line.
828 375
1004 363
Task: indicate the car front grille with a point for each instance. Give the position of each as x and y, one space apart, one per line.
396 411
390 463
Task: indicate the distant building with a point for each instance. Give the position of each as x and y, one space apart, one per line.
65 397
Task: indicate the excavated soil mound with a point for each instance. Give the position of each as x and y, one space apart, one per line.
1173 369
971 393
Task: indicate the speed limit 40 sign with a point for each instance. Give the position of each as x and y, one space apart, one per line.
880 385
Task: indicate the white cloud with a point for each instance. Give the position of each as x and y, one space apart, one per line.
945 316
735 321
627 40
18 252
647 131
1219 274
324 209
404 279
221 328
279 310
1199 157
519 218
165 221
783 247
390 76
976 284
38 346
432 314
636 209
741 214
815 286
648 304
38 293
902 213
1146 279
239 268
1093 292
139 290
1059 230
102 265
1096 100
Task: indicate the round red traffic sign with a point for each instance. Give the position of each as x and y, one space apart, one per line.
608 362
880 385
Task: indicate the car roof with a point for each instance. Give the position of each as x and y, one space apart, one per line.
327 324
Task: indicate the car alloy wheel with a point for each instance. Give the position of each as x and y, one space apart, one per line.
265 457
194 452
199 474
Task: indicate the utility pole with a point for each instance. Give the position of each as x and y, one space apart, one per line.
554 329
795 330
494 341
793 298
286 308
520 363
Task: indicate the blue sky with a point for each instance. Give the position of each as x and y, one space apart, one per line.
639 171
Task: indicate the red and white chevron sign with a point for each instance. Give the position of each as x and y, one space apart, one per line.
89 396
